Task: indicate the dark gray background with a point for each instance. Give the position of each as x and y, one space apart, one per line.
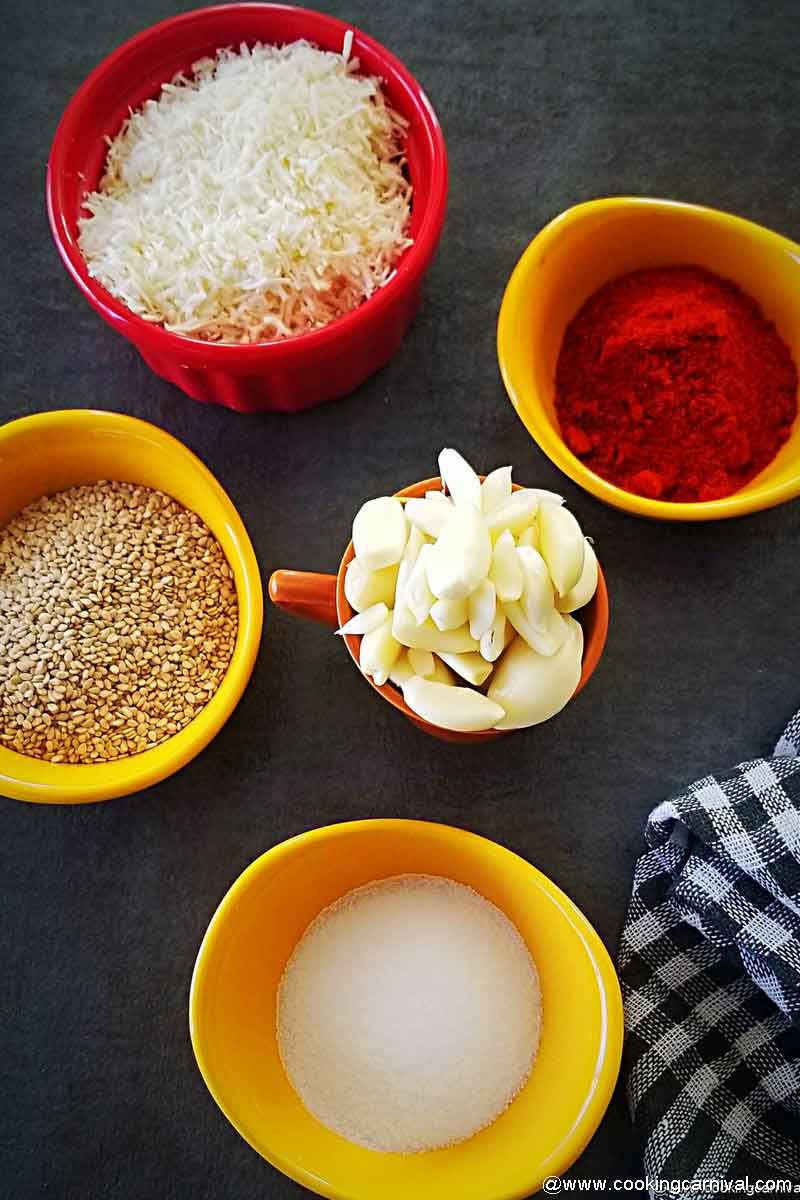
103 907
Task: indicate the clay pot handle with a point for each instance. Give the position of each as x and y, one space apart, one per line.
305 594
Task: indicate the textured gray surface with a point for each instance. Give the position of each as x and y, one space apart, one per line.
103 907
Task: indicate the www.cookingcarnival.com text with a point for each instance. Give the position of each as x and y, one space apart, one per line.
553 1185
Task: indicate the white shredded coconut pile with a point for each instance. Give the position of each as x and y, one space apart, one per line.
260 198
409 1014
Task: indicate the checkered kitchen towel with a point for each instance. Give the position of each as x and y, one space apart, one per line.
710 970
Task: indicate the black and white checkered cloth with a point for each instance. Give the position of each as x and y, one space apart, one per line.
710 970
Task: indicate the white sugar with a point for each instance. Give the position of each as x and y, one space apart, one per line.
409 1014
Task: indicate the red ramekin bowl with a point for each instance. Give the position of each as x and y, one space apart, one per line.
295 373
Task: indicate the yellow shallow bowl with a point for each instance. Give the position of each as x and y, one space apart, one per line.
592 243
232 1015
51 451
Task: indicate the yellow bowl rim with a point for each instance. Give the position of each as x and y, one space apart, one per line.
92 783
739 503
609 1055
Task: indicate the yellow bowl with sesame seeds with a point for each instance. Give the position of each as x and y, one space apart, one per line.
50 452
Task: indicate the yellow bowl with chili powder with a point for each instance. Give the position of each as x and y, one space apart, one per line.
51 451
593 243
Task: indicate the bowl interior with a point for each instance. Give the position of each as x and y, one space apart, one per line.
595 242
45 454
593 617
136 71
233 1015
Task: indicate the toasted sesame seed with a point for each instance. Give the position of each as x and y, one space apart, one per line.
118 624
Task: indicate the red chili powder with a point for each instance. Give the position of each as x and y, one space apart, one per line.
672 384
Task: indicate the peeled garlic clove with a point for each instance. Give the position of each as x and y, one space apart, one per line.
427 637
379 651
363 587
442 673
380 531
495 488
421 663
482 604
529 536
538 599
460 480
418 596
472 667
416 540
505 571
493 641
457 708
532 688
402 584
545 640
449 614
562 546
546 497
515 513
366 621
402 670
429 515
551 638
586 586
517 619
460 557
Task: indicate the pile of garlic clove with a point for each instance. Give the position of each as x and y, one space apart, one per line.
473 584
